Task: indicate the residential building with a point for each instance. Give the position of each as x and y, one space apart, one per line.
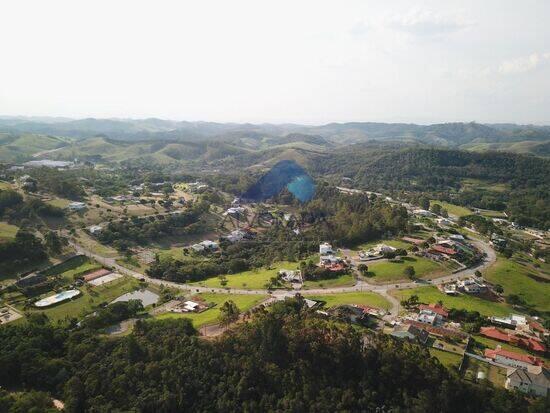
512 359
410 332
326 249
95 229
76 206
534 381
435 309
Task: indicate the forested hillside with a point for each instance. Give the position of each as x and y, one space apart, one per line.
284 360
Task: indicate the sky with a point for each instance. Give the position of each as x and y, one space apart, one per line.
277 61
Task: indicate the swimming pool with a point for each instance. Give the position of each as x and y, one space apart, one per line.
57 298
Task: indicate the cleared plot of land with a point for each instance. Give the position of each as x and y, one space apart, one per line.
210 316
446 358
95 246
87 301
4 185
7 231
345 280
495 374
391 242
452 209
73 268
386 271
516 279
473 184
59 202
432 295
249 280
360 298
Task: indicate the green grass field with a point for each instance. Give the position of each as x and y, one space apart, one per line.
391 242
7 231
88 299
446 358
473 184
515 280
431 295
385 271
5 185
452 209
210 316
345 280
365 298
249 280
59 202
74 267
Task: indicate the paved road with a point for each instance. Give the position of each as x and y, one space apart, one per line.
361 285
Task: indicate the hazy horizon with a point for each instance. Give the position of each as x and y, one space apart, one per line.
309 62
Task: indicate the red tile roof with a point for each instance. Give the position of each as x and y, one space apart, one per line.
96 274
416 241
442 250
436 308
495 333
525 358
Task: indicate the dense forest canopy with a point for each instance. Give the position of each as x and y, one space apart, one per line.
286 359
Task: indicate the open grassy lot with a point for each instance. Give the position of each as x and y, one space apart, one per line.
431 295
391 242
7 231
93 245
210 316
452 209
345 280
446 358
473 184
364 298
249 280
386 271
514 278
89 298
73 267
5 185
59 202
495 374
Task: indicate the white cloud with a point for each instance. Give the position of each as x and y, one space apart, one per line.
428 23
523 64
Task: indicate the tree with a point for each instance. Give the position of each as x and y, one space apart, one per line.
409 271
229 313
363 269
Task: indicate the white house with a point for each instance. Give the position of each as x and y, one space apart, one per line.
77 206
325 249
236 235
95 229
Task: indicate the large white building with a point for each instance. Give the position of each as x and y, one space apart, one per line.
325 249
534 380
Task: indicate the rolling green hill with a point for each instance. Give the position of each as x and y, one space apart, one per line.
21 147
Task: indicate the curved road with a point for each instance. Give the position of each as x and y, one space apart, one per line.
360 286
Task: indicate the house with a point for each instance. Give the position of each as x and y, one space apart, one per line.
410 332
326 249
444 222
236 235
95 229
291 276
512 359
439 331
428 317
205 245
415 241
457 237
234 211
76 206
534 381
331 262
435 309
96 274
495 334
471 286
440 249
423 213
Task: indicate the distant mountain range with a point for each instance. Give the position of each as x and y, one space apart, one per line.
166 141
